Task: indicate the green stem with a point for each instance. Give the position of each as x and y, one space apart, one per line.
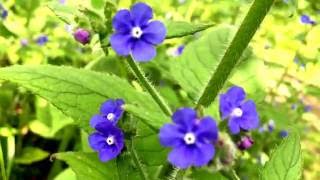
143 174
249 26
234 175
2 166
147 85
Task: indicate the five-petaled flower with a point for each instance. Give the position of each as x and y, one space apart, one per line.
135 34
242 114
190 137
107 140
110 111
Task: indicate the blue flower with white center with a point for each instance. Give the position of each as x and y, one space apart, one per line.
110 111
136 34
107 140
191 138
242 115
305 19
42 40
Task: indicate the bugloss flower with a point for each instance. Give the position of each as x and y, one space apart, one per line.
283 133
242 114
190 137
81 35
305 19
107 140
110 111
42 40
135 34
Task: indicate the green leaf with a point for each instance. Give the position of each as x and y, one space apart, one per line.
5 32
88 166
49 120
286 161
202 174
98 4
200 58
78 93
66 174
180 28
64 12
249 26
30 155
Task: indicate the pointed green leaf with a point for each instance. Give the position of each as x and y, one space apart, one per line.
30 155
180 28
286 160
78 93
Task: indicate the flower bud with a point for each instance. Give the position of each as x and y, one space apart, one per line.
245 143
82 36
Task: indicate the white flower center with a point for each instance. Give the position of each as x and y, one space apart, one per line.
237 112
189 138
136 32
110 140
110 116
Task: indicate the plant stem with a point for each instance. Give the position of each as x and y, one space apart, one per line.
143 174
249 26
2 166
147 85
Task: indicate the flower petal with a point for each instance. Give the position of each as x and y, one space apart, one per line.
181 157
154 33
230 100
203 154
143 51
96 119
185 117
121 22
121 44
97 141
207 130
250 118
233 125
170 135
141 13
108 129
112 106
109 153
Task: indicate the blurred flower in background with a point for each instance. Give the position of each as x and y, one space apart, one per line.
3 12
305 19
42 40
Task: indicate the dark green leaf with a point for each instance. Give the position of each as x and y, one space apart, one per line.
286 161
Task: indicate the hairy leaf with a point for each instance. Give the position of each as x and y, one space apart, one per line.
78 93
286 160
180 28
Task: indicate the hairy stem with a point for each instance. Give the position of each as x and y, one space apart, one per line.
142 171
249 26
147 85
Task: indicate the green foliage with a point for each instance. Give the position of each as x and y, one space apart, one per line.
177 29
71 90
200 59
66 174
286 160
30 155
88 166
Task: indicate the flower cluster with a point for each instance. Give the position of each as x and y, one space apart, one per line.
108 139
136 34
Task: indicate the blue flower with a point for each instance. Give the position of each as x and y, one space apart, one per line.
305 19
110 111
179 50
283 133
242 114
42 40
135 34
245 143
107 140
271 125
190 137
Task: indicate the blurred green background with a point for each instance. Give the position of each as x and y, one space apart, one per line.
282 75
